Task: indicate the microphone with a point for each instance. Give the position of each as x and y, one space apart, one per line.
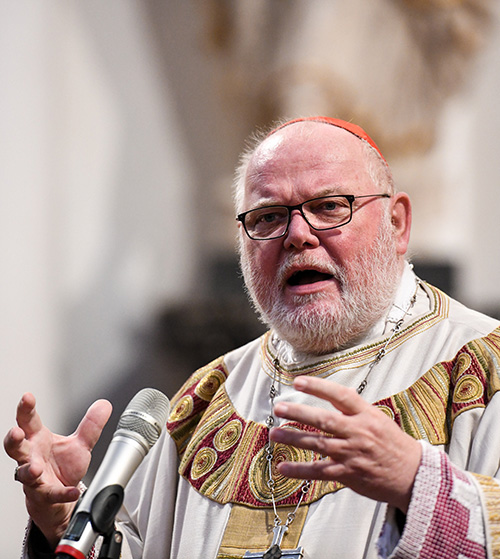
138 429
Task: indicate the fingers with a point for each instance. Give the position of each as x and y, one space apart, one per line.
345 399
327 421
16 445
319 469
90 428
320 443
50 495
360 446
15 442
27 417
31 475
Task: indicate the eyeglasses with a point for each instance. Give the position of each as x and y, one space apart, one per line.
326 212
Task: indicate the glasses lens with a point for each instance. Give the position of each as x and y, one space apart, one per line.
328 212
264 223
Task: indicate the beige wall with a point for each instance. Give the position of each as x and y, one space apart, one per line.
94 184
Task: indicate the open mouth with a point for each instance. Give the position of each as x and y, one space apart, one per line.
305 277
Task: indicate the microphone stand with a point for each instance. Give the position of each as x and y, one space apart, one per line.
111 546
101 516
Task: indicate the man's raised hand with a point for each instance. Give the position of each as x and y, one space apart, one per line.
50 466
362 447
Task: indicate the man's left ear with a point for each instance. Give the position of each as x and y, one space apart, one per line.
401 220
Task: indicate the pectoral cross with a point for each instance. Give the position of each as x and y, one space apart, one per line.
275 551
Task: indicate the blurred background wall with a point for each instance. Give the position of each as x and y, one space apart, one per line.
120 125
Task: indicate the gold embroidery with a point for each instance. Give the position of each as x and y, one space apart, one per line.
252 530
234 470
485 355
491 499
468 389
182 410
197 376
216 415
228 436
203 462
235 476
188 407
463 363
424 411
258 475
490 360
421 409
387 410
209 384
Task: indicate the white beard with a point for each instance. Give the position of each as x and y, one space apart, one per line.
321 323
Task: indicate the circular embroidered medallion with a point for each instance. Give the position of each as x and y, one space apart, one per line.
258 474
203 462
182 409
209 384
228 435
468 389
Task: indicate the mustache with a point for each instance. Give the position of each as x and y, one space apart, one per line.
306 261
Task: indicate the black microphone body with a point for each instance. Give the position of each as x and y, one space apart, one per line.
138 429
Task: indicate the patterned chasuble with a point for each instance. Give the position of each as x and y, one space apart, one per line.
222 455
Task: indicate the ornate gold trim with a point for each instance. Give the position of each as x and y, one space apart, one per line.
490 490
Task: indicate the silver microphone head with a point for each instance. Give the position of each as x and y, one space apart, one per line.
145 417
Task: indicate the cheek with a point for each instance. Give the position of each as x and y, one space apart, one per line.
356 237
264 257
341 245
265 263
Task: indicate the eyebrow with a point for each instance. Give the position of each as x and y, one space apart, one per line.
330 190
327 191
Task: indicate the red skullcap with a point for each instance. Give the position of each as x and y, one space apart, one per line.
349 126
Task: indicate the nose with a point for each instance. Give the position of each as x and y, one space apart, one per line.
300 234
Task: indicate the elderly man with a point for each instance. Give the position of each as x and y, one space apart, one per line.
325 437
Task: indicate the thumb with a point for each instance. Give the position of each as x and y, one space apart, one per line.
90 428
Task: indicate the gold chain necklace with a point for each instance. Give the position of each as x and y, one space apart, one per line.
280 528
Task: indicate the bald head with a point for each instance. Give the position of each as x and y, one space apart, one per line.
311 131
